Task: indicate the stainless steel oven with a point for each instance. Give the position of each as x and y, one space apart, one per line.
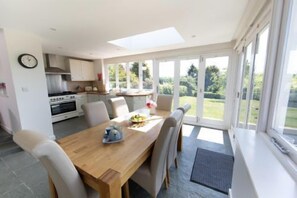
63 107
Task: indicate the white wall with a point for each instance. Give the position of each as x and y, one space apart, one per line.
99 68
29 84
9 115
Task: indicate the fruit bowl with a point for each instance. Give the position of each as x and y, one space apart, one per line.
138 118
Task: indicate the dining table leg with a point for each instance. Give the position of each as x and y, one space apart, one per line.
126 190
110 184
180 139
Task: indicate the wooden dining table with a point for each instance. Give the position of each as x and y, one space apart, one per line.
107 167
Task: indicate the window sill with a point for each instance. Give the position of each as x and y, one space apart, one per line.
267 176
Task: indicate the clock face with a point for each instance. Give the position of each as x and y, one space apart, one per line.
28 61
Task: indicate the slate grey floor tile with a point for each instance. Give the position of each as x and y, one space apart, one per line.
21 174
20 191
19 160
33 174
8 181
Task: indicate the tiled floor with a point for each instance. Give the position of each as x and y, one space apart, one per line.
23 176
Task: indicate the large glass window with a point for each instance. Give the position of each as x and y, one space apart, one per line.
134 75
188 84
112 76
122 75
130 75
147 70
166 77
215 87
252 80
285 114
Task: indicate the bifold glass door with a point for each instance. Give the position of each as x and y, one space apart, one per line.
199 81
188 86
214 94
252 80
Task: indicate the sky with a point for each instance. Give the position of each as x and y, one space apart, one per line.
166 69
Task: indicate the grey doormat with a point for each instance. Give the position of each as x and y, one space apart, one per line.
213 170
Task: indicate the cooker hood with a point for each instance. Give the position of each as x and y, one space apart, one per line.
53 67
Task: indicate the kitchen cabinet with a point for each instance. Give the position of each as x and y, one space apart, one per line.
81 70
81 99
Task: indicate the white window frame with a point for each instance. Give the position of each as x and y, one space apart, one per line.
275 86
140 74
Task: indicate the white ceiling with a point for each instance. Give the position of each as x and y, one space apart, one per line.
83 27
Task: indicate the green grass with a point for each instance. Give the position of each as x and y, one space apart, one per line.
214 109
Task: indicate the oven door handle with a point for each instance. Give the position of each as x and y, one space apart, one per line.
54 106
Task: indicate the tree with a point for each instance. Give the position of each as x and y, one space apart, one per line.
145 70
211 76
193 72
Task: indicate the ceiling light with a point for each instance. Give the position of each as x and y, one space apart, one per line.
167 36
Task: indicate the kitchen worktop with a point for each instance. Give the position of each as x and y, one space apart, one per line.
128 94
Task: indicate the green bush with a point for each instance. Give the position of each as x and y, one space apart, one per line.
166 89
183 90
213 95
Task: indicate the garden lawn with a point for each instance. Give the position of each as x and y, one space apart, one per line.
214 109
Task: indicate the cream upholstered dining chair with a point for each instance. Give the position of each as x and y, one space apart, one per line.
172 152
95 113
185 108
58 165
152 173
164 102
119 106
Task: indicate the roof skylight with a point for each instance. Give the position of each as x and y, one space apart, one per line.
158 38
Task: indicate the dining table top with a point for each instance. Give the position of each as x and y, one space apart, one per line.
106 167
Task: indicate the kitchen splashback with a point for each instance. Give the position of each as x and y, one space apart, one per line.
55 84
78 86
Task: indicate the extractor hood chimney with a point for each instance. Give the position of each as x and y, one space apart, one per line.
52 65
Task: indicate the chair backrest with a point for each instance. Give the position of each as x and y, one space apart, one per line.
172 152
164 102
119 106
160 152
185 108
95 113
58 165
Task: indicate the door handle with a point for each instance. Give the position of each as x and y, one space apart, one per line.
200 90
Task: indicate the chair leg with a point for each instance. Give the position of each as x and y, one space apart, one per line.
126 190
175 161
168 175
166 182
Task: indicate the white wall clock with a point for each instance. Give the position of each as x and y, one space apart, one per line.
28 61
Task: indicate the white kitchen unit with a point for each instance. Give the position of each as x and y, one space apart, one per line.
81 70
81 99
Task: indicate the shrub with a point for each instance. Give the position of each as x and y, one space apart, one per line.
213 95
166 89
183 90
